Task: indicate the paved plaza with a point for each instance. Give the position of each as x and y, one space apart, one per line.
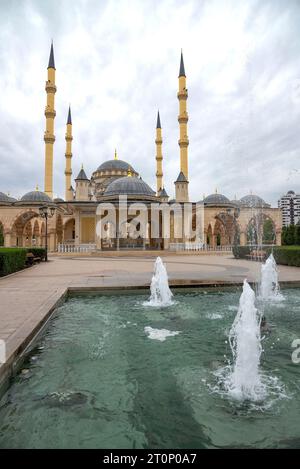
27 297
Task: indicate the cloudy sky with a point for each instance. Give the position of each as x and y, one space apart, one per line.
117 62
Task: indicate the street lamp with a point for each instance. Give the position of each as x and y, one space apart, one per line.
46 213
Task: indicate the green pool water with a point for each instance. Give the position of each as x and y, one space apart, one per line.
97 380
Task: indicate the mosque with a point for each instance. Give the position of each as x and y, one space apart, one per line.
72 225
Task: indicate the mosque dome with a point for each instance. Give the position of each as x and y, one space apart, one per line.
115 165
36 196
129 186
58 199
6 199
253 201
216 199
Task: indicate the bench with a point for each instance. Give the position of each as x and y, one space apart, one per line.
31 259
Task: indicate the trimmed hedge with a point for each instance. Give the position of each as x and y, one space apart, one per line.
12 260
286 255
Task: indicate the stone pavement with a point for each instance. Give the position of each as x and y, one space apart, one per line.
28 297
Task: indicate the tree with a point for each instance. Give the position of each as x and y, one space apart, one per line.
283 235
297 234
290 235
268 232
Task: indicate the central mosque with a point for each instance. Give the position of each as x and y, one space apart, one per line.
73 224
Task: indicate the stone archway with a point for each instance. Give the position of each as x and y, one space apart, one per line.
69 231
27 234
226 230
21 228
261 229
209 235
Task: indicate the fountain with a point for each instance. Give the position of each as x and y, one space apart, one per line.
244 380
161 294
269 287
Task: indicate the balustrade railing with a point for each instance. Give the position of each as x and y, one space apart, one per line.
193 246
64 247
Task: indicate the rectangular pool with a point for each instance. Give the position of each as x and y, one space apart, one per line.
110 372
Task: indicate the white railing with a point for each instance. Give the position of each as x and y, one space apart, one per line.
64 247
190 246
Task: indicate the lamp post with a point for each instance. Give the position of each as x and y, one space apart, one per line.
46 213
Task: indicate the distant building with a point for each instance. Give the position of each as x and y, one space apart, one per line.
290 208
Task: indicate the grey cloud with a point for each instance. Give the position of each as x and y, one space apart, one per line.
117 62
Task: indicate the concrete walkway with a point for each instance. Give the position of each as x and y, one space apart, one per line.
28 297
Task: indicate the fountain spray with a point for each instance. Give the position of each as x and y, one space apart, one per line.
161 294
244 382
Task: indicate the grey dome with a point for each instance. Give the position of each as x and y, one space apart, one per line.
216 199
253 201
115 165
36 196
6 198
58 199
129 186
291 193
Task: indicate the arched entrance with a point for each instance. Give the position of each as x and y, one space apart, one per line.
209 236
261 229
69 231
22 231
226 231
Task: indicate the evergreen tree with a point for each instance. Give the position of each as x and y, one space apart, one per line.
290 236
297 234
283 235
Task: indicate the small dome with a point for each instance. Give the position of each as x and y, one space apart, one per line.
58 199
291 193
129 186
253 201
216 199
115 165
36 196
6 198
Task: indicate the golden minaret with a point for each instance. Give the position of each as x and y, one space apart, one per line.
50 113
159 157
183 120
68 155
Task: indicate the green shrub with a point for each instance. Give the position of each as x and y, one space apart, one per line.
37 252
286 255
12 260
240 252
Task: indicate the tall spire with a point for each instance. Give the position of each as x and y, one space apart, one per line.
158 125
68 157
183 142
51 63
159 156
69 121
50 114
116 155
181 68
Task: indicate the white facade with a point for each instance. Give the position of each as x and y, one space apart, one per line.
290 208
